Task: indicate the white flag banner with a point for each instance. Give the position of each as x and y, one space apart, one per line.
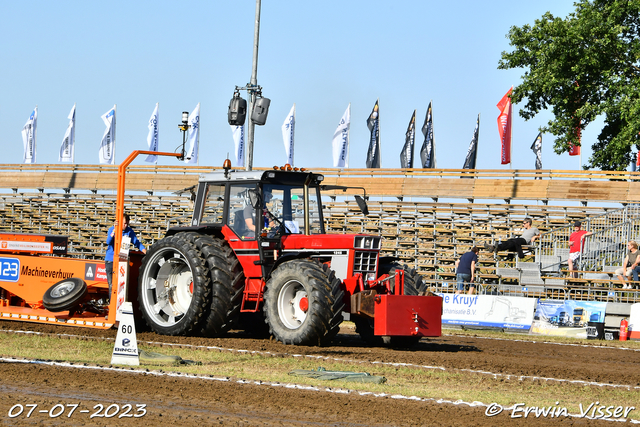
341 141
67 149
152 138
29 137
238 140
194 136
288 131
107 153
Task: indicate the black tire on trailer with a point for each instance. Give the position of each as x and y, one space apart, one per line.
64 295
174 291
413 285
303 303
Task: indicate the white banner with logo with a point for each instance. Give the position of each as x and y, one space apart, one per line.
194 136
288 133
495 311
152 138
67 148
238 141
29 137
341 141
107 153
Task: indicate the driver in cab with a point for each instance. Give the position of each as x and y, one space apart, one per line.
249 214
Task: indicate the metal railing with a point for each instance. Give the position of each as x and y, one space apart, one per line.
606 246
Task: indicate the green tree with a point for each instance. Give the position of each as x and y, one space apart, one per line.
579 68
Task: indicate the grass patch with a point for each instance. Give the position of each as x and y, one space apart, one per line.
447 384
499 334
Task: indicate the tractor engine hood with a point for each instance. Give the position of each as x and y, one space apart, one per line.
332 241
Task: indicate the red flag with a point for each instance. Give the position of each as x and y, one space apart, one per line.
638 159
574 150
504 127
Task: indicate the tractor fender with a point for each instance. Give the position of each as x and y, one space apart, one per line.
209 230
382 260
289 256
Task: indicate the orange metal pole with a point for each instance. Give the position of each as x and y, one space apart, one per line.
122 170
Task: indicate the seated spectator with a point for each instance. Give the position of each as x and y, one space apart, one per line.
629 265
529 235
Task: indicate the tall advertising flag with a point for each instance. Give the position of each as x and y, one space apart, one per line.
504 127
472 152
341 141
67 149
537 149
406 155
428 150
373 123
194 136
238 140
152 138
288 131
107 153
29 137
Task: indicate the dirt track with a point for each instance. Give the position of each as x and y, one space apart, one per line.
193 402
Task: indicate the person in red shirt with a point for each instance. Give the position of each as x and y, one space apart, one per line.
576 242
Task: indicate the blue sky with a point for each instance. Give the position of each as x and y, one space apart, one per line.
319 55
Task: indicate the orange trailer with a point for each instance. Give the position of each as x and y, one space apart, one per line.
38 283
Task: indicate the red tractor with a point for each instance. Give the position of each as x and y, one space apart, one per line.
257 256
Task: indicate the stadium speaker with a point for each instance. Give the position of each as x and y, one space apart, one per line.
260 111
237 110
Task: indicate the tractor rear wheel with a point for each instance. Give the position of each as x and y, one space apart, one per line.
413 285
303 303
174 290
227 285
64 295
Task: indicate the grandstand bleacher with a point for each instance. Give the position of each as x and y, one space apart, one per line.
406 207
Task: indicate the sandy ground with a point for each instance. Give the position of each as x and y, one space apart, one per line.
196 402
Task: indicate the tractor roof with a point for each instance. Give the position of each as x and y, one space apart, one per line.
282 177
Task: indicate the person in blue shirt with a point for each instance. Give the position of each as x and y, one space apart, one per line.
108 258
465 270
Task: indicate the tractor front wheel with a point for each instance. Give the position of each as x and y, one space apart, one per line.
303 303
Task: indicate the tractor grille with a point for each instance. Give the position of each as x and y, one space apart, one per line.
365 262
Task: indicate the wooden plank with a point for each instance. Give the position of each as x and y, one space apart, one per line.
456 188
494 189
633 192
25 180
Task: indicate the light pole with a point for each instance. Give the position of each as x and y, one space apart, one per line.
258 106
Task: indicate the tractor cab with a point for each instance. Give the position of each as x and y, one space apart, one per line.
260 214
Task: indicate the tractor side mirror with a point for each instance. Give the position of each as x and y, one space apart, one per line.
254 198
362 205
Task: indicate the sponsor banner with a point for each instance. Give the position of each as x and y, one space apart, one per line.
487 310
50 273
95 272
12 245
34 243
566 318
